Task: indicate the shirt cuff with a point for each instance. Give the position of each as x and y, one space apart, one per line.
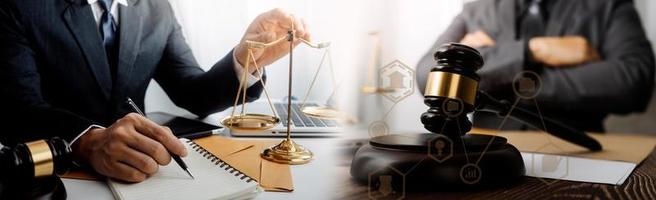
84 132
251 79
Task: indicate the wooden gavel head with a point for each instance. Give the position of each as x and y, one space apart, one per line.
37 159
451 90
451 93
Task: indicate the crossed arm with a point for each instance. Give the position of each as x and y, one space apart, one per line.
616 77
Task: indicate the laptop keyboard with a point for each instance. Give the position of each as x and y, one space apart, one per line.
299 119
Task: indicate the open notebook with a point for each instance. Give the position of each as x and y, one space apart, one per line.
215 179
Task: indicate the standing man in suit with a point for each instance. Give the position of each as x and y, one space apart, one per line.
67 67
592 56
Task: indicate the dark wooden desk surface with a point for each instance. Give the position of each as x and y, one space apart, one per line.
640 185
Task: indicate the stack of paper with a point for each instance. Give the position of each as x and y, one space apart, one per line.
548 157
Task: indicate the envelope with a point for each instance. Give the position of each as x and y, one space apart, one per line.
244 155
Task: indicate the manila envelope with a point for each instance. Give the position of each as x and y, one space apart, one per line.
244 155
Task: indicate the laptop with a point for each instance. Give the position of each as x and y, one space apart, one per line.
301 124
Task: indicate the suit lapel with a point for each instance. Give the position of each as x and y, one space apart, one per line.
556 24
506 9
130 28
80 20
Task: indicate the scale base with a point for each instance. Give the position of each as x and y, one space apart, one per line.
288 152
402 162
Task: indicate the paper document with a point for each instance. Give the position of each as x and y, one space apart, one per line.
546 156
576 169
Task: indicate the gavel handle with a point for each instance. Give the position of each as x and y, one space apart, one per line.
487 103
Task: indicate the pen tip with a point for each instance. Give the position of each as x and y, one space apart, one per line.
190 174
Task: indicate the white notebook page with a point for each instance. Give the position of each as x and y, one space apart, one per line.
172 182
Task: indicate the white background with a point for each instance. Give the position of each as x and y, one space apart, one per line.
408 28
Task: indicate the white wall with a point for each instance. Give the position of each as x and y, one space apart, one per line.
408 28
414 28
213 28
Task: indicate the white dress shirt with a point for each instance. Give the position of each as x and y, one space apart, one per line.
98 11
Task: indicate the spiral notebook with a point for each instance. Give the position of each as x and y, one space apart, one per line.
215 179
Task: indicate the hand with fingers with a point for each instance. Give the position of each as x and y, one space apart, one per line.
566 51
131 149
268 27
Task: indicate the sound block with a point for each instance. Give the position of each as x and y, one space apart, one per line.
392 164
47 188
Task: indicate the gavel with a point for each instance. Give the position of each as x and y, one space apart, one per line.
459 159
29 170
454 82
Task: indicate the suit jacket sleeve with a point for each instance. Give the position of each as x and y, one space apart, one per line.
26 115
624 77
188 86
622 82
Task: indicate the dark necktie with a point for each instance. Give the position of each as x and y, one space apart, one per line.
108 34
532 23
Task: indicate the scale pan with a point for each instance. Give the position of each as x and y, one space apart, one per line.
250 122
323 112
372 90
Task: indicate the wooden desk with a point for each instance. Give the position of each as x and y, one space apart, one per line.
640 185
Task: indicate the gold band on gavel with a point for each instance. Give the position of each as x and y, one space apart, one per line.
41 157
451 85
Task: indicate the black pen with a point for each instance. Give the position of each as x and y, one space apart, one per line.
175 157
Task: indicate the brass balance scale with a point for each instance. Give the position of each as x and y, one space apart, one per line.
372 87
287 151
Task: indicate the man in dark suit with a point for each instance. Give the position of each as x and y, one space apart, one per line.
592 56
67 67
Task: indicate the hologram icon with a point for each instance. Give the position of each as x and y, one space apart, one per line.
549 168
452 106
470 174
550 163
378 128
440 148
397 78
385 185
526 85
397 82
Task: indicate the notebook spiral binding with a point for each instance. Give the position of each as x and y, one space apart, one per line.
218 162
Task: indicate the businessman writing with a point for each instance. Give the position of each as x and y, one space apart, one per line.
67 66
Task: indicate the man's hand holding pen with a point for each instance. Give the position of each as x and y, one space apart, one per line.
134 147
130 149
